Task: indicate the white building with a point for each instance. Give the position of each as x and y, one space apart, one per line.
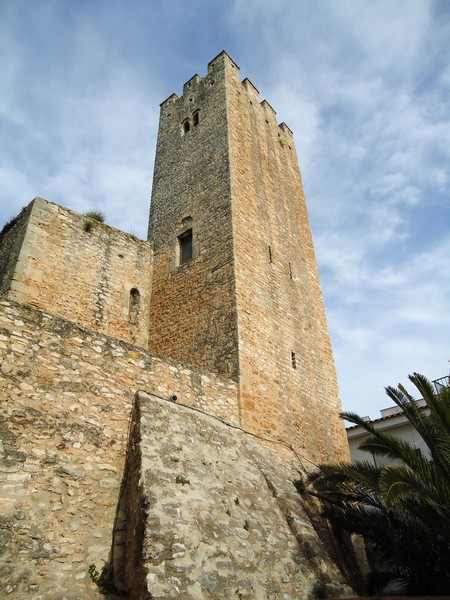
394 422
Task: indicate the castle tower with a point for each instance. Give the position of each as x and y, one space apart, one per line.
235 286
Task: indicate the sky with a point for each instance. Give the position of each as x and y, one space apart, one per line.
364 85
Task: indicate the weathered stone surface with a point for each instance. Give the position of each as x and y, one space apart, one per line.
219 515
63 433
12 237
248 305
52 261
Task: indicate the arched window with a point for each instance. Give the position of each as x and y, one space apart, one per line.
185 126
134 305
195 118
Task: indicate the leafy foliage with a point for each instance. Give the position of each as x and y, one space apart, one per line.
88 225
403 508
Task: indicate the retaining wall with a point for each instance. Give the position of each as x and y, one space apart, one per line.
66 397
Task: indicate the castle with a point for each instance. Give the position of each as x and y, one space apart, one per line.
219 311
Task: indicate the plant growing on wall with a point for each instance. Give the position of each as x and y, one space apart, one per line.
10 224
93 217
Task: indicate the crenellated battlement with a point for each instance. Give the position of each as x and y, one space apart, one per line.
222 59
286 129
220 67
269 108
253 95
191 85
250 88
170 100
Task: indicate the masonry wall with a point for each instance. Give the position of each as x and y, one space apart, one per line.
288 385
11 239
85 273
249 303
66 401
193 314
214 514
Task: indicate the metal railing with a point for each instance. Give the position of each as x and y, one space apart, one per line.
441 383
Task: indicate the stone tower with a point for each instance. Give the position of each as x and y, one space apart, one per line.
235 287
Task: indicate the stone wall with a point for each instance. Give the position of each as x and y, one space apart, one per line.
66 395
11 238
193 314
223 517
213 514
288 385
249 304
84 271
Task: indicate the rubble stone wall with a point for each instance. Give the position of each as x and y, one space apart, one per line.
11 238
288 383
83 270
66 397
193 305
220 516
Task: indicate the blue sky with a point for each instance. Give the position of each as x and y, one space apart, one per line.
365 87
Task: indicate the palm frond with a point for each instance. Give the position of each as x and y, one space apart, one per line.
402 508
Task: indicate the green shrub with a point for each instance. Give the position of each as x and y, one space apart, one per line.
10 224
95 215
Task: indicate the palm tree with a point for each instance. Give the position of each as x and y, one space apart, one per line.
402 509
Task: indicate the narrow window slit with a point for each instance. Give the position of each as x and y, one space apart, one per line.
270 254
294 360
134 305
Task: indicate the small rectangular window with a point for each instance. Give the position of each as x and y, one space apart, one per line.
185 243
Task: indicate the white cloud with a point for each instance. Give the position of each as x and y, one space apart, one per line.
400 326
87 137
